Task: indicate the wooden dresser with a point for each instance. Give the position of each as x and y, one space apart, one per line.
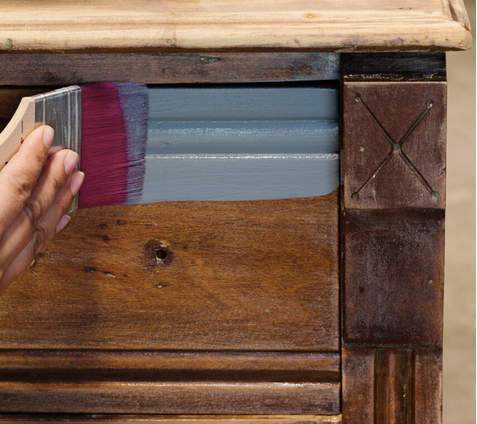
322 309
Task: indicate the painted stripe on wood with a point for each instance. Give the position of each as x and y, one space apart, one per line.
242 103
238 177
232 137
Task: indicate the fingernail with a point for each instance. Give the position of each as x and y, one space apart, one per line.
70 162
63 223
77 182
48 134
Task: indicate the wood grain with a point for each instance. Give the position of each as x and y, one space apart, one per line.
171 419
210 24
400 66
236 275
394 274
165 68
171 398
392 386
428 387
80 365
394 145
358 386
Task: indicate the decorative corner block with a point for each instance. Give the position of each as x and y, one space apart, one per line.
394 144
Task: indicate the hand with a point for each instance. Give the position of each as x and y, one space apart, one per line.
35 194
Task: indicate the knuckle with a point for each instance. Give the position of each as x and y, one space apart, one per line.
41 239
33 210
22 185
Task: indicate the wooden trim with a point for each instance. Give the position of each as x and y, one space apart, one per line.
207 24
171 398
166 68
394 66
384 386
170 419
63 365
392 232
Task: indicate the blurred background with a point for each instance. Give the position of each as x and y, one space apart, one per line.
459 301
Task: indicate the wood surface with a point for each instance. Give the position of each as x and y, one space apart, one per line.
394 277
237 275
171 398
172 419
392 234
407 67
104 365
392 386
159 68
211 24
394 136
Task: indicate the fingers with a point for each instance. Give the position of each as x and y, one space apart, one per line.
19 177
52 179
53 221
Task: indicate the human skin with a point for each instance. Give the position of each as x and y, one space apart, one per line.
36 192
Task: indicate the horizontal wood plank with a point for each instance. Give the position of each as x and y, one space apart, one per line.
171 398
164 68
211 24
259 275
61 365
170 419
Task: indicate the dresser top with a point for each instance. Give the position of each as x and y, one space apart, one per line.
326 25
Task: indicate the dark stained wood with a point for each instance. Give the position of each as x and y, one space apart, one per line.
159 68
358 386
166 419
392 386
388 161
47 365
428 386
394 277
394 66
259 275
171 398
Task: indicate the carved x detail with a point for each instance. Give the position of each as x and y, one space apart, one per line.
396 148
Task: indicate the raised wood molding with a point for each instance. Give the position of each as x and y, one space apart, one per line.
170 419
170 397
392 386
208 24
186 366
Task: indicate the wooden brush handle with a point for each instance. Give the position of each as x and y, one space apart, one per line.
22 124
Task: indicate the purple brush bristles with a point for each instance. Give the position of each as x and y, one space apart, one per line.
134 100
113 143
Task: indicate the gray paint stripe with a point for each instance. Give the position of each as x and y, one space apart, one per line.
238 177
176 137
239 104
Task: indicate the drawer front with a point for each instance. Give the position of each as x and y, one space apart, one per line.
209 307
259 275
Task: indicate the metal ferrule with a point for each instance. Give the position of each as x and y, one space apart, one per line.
61 109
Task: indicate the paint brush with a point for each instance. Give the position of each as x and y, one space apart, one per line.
105 123
140 144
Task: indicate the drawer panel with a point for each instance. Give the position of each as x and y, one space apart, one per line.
259 275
